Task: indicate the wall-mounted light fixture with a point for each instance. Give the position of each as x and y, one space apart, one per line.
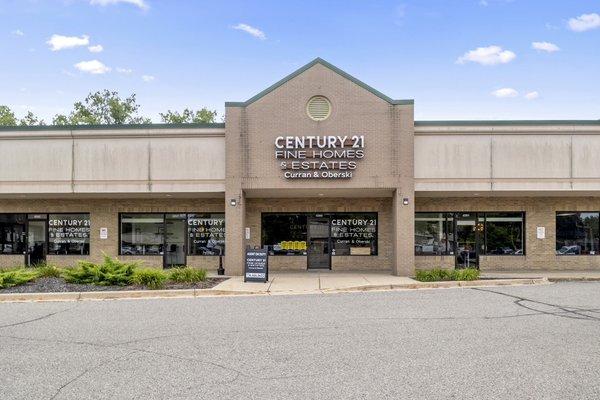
405 201
233 202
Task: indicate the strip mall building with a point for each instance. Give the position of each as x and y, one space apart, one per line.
320 169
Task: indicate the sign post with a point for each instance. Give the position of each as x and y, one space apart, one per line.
257 266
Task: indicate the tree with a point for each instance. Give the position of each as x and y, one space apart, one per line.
7 117
30 119
188 116
103 107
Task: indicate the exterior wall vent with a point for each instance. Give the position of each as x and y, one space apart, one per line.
318 108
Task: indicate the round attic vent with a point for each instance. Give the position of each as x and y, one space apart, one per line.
318 108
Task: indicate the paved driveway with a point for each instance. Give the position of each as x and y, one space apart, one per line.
527 342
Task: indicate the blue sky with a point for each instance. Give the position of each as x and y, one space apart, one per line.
459 59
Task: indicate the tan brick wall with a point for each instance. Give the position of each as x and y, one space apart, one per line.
105 213
387 167
539 211
382 261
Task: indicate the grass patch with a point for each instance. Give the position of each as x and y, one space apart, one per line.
437 274
15 277
187 275
110 272
149 277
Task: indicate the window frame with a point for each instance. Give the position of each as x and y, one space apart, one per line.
324 214
25 232
164 225
47 227
556 233
483 237
48 232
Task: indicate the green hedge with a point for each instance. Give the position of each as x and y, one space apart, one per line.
15 277
149 277
187 275
111 272
437 274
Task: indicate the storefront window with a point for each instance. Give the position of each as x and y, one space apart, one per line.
577 233
354 234
504 233
206 234
486 233
13 239
284 234
431 234
69 234
142 234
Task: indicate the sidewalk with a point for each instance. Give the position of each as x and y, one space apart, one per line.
282 283
331 282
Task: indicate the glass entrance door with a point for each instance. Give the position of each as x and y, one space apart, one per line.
319 243
466 240
175 238
36 242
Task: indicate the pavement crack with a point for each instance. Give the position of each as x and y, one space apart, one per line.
577 313
37 319
87 370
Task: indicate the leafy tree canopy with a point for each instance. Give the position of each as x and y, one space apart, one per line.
103 107
8 118
203 115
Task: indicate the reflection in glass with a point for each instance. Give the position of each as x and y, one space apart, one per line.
142 234
284 234
504 233
431 234
577 233
12 233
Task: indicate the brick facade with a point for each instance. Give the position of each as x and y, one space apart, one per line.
105 213
540 254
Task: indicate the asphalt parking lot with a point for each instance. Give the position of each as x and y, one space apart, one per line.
522 342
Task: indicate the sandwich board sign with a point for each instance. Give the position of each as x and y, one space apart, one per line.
257 265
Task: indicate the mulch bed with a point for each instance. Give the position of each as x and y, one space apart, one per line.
55 285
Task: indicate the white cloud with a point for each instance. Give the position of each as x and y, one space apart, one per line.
490 55
585 22
17 32
532 95
257 33
125 71
505 92
138 3
60 42
92 67
545 46
96 48
148 78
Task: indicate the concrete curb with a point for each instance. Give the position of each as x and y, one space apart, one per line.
443 285
191 293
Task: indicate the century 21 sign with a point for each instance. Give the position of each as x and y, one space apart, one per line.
319 157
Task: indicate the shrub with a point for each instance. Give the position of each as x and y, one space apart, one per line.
187 275
15 277
467 274
149 277
110 272
434 275
47 271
